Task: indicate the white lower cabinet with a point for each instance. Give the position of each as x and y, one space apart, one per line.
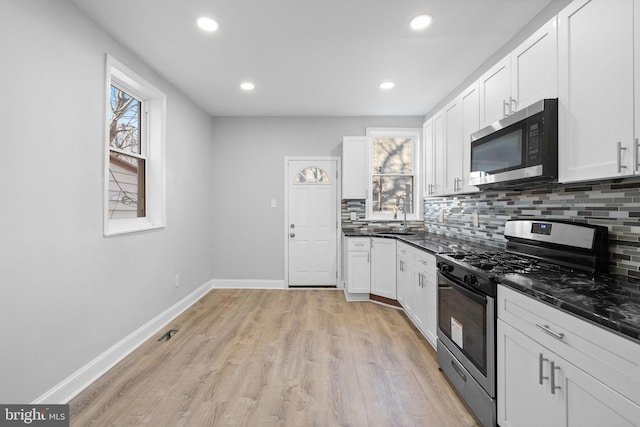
358 265
557 370
383 272
404 279
417 288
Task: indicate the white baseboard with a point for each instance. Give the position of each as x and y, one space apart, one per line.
248 284
81 379
355 297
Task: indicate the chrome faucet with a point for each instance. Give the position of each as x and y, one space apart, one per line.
403 224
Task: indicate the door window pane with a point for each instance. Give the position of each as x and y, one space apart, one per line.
393 156
312 175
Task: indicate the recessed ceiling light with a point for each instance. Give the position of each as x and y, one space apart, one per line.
387 85
247 86
207 24
420 22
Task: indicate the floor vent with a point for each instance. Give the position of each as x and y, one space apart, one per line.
168 335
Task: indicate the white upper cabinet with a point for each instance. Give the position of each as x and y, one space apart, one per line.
355 157
452 147
534 67
448 142
470 102
523 77
427 135
438 154
495 92
595 90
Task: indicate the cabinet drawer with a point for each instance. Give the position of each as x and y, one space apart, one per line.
425 260
358 244
404 250
610 358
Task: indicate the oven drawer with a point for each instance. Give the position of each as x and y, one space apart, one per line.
610 358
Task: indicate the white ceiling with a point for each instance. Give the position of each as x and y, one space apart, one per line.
313 57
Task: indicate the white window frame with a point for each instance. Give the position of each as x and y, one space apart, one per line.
415 134
153 119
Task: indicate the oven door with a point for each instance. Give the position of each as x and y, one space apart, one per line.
466 326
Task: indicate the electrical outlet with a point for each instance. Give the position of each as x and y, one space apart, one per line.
476 219
176 280
353 216
274 203
441 216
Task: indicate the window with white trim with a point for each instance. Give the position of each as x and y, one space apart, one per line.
134 152
393 172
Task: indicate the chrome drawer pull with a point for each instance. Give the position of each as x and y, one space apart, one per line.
547 329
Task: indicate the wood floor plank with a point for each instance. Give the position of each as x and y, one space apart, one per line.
278 358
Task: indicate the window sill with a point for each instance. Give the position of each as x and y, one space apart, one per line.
123 226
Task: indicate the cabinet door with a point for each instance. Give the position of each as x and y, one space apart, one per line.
495 90
419 299
358 272
404 283
429 159
383 271
595 81
355 167
452 146
431 294
534 67
438 154
522 400
470 102
590 403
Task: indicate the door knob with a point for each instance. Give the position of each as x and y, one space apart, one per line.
292 226
292 234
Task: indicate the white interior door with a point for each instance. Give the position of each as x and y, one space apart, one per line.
312 222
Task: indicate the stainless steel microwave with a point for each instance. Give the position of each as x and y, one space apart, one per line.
519 150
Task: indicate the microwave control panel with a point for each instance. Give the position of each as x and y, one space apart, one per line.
533 143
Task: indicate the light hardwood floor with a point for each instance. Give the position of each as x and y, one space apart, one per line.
277 358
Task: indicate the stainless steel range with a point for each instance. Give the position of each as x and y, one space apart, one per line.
467 287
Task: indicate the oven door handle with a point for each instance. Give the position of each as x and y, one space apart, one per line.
477 297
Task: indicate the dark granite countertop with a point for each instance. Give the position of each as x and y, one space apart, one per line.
610 301
435 243
607 300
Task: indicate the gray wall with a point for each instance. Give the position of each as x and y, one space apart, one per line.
248 171
68 293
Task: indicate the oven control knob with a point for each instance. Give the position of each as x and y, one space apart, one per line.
445 268
470 279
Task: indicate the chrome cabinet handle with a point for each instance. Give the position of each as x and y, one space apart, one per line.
547 329
541 360
292 234
554 387
505 105
514 102
620 149
636 147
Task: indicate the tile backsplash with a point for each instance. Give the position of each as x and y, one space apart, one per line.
614 204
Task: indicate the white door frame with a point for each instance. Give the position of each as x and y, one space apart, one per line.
338 210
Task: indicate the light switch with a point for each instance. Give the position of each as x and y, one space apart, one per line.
274 203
